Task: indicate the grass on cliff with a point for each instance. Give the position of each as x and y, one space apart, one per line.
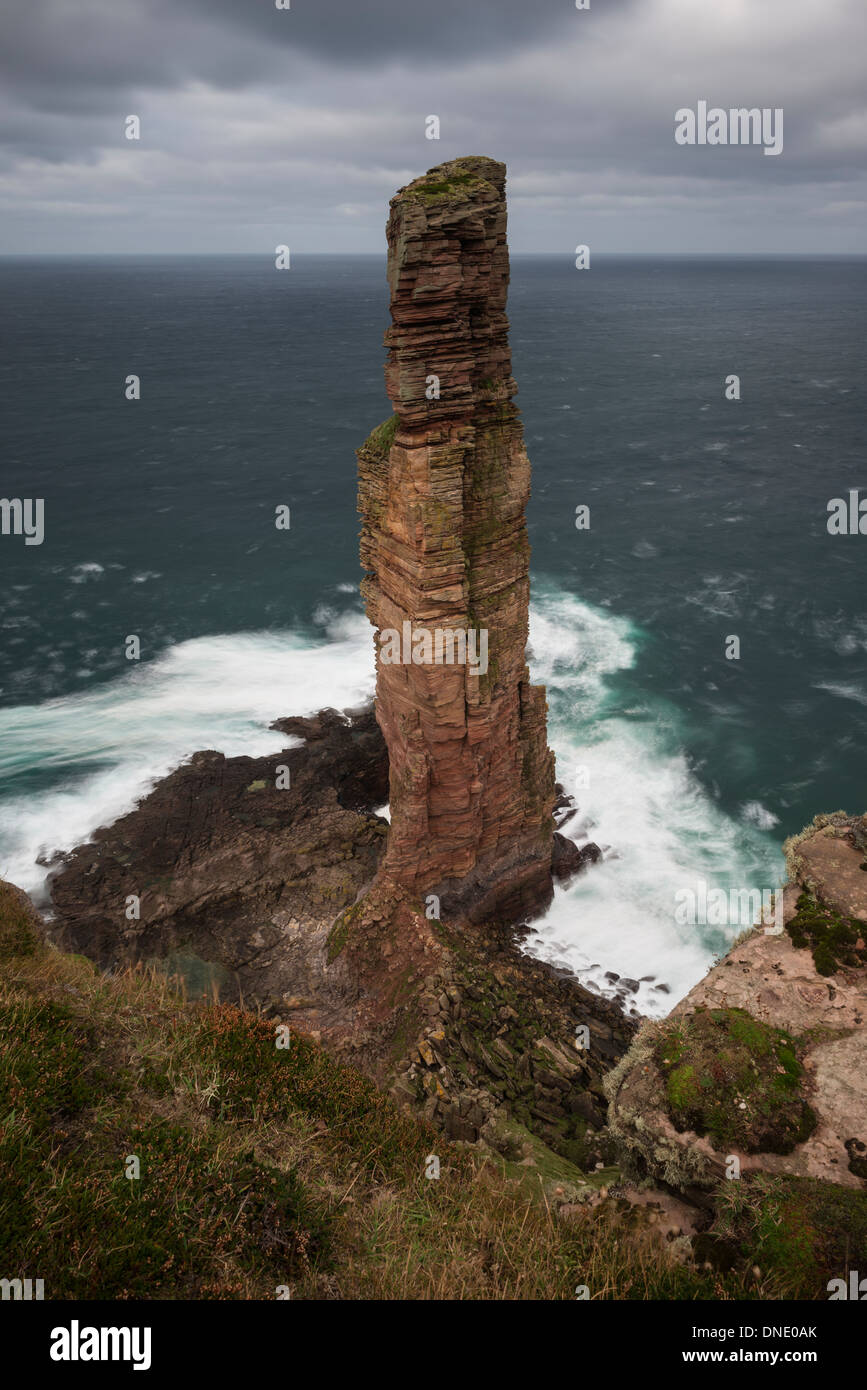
259 1167
735 1079
263 1168
801 1232
446 188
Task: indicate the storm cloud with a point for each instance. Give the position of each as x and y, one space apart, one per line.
261 125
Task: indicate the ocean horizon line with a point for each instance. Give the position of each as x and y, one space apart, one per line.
568 254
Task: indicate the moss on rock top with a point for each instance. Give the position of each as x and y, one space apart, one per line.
380 440
735 1079
834 940
455 178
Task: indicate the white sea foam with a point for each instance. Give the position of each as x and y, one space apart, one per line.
757 814
90 570
213 692
844 690
96 754
660 828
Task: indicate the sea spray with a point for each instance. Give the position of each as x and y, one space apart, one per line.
639 799
72 764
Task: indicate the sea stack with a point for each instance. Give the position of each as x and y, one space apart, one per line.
443 488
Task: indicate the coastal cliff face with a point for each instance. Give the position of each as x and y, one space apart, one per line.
442 491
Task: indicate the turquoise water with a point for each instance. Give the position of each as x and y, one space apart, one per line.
707 520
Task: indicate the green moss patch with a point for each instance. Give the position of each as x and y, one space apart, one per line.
456 183
800 1232
380 440
834 940
339 933
735 1079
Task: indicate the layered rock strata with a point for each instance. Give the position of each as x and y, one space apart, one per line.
442 493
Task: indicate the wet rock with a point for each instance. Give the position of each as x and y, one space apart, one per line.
570 859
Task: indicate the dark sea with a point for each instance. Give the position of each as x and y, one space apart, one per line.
708 521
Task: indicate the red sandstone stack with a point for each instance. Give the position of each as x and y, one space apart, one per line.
442 492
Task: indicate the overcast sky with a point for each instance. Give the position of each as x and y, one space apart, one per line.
261 126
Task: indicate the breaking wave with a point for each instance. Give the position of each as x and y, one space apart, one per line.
72 764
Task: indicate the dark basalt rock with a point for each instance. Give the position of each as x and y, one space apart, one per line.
229 869
569 859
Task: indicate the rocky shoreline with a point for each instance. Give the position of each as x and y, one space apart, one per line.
246 892
276 898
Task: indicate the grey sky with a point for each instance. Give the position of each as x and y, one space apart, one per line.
262 126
